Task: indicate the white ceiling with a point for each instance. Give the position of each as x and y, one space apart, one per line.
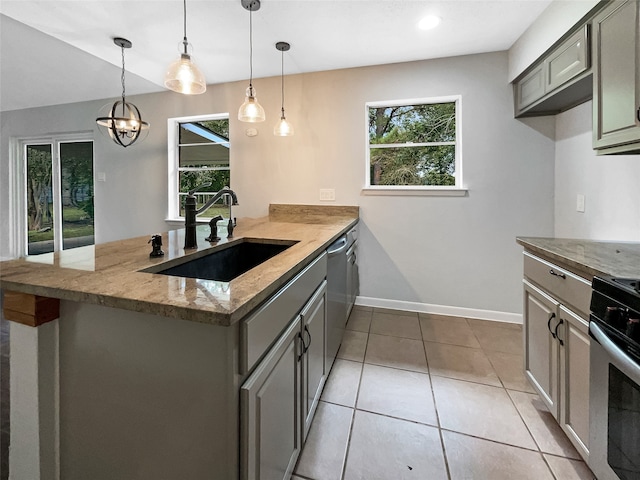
56 52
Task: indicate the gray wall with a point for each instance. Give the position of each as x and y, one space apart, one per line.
609 184
455 251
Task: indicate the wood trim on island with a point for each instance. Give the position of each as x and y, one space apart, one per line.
29 309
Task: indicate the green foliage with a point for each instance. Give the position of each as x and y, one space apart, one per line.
412 165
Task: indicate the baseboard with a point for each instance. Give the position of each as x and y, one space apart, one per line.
476 313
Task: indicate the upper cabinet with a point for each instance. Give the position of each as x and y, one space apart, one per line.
559 80
616 76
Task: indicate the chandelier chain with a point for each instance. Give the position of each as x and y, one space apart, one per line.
122 77
282 83
184 41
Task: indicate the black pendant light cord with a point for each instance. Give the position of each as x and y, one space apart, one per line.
184 40
282 83
251 51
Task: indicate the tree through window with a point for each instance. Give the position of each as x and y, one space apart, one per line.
414 145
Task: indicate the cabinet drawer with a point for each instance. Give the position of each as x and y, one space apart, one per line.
262 328
566 287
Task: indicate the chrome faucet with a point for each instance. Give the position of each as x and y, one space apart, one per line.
190 212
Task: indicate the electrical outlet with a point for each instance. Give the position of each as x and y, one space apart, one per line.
327 194
580 203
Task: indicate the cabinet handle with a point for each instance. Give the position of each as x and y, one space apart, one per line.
306 348
638 114
551 317
555 334
561 275
303 349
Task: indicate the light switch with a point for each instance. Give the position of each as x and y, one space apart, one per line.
327 194
101 177
580 203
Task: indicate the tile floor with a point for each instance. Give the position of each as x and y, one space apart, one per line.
419 396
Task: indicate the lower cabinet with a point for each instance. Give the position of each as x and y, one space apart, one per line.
556 345
279 398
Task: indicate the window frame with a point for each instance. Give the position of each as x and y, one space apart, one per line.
444 190
173 147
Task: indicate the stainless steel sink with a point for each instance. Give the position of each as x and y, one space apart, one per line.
225 262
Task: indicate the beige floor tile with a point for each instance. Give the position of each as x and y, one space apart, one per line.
326 446
295 477
510 370
479 410
342 384
354 344
359 320
495 323
463 363
477 459
397 393
438 316
544 428
394 312
498 339
567 469
404 353
451 330
383 448
406 326
363 308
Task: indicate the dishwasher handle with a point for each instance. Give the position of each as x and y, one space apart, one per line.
337 247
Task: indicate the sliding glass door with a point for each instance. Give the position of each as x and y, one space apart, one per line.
59 187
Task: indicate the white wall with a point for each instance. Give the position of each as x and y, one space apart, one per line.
457 251
609 184
556 20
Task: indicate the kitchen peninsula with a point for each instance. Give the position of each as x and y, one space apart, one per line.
140 375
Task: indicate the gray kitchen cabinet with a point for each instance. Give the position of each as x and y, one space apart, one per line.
270 399
540 347
556 344
314 360
279 398
616 78
559 80
574 379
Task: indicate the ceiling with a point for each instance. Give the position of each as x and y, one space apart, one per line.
55 52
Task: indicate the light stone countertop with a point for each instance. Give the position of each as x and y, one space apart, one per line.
618 259
109 274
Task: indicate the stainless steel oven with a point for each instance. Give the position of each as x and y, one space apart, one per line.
614 403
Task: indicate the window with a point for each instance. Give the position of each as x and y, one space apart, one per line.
414 144
59 194
199 152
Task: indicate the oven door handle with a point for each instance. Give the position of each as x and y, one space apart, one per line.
622 361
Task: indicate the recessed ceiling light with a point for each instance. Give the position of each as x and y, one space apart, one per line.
429 22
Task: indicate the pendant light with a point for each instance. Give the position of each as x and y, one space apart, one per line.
183 76
123 121
282 128
251 111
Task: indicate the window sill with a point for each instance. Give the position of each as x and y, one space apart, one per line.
415 191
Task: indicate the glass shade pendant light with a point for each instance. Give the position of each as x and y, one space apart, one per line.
282 128
183 76
123 121
251 111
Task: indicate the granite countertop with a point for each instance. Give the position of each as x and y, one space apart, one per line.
618 259
109 274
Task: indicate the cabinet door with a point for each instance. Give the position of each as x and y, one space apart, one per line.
270 409
314 317
540 347
568 60
574 379
616 75
530 88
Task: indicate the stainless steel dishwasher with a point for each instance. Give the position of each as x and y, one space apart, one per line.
336 295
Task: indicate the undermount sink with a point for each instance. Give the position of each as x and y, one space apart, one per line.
228 261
